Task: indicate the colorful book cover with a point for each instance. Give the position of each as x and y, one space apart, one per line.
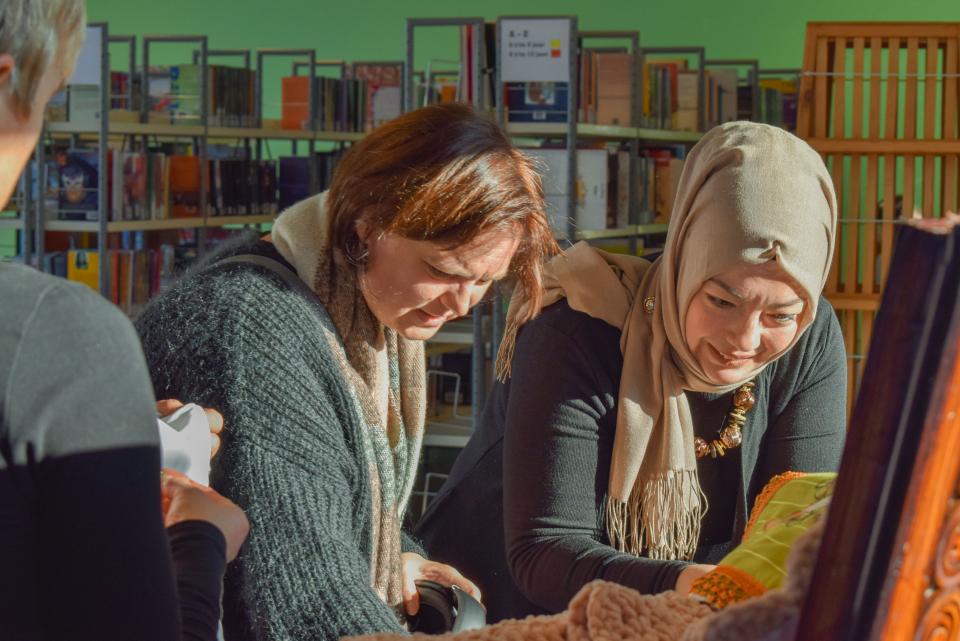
184 186
78 169
295 98
83 266
135 185
537 101
185 94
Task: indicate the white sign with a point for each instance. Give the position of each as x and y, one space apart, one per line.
535 49
87 71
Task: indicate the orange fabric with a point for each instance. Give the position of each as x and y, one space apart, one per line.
727 585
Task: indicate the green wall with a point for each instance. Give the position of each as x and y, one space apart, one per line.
769 30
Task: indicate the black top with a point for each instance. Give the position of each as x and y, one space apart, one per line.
522 512
83 550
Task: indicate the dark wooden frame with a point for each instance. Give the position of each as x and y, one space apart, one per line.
889 565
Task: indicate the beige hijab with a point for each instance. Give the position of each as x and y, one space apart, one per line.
749 193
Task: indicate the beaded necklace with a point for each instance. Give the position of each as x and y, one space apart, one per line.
731 434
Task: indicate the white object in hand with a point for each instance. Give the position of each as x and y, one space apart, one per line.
185 442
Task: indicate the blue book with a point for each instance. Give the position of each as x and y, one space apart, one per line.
537 101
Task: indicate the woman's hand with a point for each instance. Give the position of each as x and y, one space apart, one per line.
690 574
416 568
185 500
215 418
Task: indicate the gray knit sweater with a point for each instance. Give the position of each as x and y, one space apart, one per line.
240 340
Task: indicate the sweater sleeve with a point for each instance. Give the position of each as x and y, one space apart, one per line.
288 457
409 543
808 425
199 553
557 451
80 411
302 575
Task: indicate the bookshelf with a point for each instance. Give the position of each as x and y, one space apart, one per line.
568 134
128 127
631 231
270 131
602 132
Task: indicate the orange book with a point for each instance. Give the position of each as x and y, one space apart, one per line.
448 94
184 186
295 96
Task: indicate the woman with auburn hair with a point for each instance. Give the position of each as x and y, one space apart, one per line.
310 342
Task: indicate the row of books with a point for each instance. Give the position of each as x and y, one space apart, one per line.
135 275
174 96
230 96
355 105
603 187
297 173
669 97
155 185
341 104
778 102
367 95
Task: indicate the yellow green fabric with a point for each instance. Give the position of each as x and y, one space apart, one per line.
788 506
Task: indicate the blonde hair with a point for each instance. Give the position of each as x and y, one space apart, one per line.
37 33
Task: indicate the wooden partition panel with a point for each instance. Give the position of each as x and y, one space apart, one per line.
880 101
889 565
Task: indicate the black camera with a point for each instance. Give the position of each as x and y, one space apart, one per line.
444 609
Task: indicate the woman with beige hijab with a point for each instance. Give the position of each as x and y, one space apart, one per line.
642 411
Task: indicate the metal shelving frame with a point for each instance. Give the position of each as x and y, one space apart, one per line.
569 132
100 226
478 389
199 141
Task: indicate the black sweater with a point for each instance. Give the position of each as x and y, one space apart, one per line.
522 512
83 551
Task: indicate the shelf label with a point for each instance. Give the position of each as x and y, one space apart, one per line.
90 58
535 50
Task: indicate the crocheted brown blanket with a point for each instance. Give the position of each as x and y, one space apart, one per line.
604 611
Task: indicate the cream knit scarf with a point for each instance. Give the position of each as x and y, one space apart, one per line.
391 443
749 193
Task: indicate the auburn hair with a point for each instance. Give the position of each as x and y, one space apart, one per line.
446 174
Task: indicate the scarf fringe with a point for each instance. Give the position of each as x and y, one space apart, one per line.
661 518
508 345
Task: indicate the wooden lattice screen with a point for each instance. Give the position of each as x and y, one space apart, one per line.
880 102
